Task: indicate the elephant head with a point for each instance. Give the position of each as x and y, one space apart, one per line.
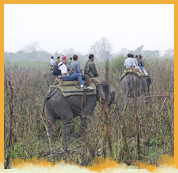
106 93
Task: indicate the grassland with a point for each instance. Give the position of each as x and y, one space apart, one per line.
25 134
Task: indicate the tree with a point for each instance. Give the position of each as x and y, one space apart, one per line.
138 50
33 47
169 53
124 51
102 48
56 54
69 52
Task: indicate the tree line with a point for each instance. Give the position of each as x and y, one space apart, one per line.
102 49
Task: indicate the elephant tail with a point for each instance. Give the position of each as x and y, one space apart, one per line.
47 97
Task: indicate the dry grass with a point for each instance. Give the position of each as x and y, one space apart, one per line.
25 133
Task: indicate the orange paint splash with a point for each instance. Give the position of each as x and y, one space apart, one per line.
17 163
166 160
98 164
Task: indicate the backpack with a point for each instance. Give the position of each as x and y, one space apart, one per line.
55 70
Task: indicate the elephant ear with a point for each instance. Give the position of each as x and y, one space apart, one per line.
101 93
104 90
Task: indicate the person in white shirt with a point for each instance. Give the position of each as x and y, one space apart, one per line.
67 75
129 62
52 62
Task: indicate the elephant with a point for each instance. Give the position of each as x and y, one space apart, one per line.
66 108
131 81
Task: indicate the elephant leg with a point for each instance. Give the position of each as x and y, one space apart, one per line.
83 124
82 127
88 112
51 120
66 130
125 91
49 127
146 91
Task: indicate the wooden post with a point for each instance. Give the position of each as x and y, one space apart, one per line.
10 104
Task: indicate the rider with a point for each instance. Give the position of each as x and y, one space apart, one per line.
69 62
58 60
138 59
131 66
52 62
129 62
75 65
91 71
67 75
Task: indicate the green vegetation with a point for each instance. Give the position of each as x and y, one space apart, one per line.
25 134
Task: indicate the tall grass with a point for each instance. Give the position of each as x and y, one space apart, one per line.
28 135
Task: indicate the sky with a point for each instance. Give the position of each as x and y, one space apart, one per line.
57 27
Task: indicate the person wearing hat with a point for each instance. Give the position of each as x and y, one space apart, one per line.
76 66
68 75
52 62
58 60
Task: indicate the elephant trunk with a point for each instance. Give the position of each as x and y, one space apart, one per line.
117 107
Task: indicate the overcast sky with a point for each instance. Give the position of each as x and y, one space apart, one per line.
62 26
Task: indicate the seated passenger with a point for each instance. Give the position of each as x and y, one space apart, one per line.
67 75
52 62
69 62
129 62
75 65
138 59
91 71
58 60
131 66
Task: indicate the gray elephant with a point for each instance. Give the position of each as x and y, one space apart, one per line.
131 81
67 108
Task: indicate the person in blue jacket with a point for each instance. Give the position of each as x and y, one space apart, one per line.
140 64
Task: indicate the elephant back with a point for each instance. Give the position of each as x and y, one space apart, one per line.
70 88
132 70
